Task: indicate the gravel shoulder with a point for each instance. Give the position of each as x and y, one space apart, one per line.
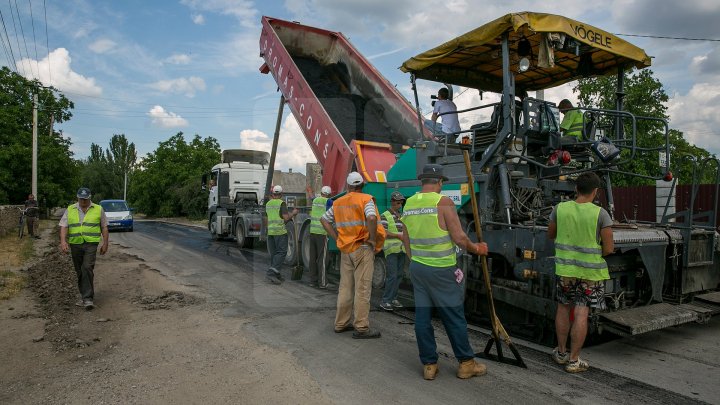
148 340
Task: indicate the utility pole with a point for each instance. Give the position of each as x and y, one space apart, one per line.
125 187
34 146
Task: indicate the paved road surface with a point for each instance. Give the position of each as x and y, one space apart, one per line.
679 365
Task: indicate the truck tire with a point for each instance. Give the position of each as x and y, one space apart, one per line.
379 270
305 247
240 236
292 252
211 228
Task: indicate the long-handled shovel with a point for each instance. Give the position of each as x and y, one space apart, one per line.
498 331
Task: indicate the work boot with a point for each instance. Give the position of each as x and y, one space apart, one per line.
470 368
430 371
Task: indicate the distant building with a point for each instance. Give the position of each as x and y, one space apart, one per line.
294 187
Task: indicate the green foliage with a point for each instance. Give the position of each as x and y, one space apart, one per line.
57 171
167 182
104 171
644 97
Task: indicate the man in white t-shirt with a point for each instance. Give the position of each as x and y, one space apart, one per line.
450 121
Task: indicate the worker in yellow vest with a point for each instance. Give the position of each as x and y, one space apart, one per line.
84 225
394 252
318 239
432 230
277 240
358 237
583 235
572 123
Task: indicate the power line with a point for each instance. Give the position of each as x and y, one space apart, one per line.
37 59
8 40
16 34
664 37
47 44
22 30
2 40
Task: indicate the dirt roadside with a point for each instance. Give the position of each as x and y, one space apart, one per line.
147 341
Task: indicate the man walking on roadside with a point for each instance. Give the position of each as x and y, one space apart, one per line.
432 229
357 236
583 235
84 225
318 239
31 215
394 252
277 240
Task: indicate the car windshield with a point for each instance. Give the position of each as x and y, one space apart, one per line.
114 206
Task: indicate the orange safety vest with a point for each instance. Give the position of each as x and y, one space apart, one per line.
349 212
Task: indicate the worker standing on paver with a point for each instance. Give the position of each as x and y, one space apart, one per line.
394 252
583 235
432 226
277 241
318 239
358 237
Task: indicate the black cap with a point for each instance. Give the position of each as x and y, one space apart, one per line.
397 196
432 171
84 193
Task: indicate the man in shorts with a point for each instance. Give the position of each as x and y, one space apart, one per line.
583 235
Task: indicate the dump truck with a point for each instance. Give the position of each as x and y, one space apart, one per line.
662 273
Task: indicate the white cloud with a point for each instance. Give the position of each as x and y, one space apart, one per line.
178 59
166 119
198 19
240 54
184 85
293 150
243 10
695 114
102 45
55 70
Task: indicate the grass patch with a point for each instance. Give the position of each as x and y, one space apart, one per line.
10 284
15 252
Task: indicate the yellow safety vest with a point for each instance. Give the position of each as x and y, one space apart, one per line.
572 124
577 251
318 209
89 229
392 245
276 223
429 244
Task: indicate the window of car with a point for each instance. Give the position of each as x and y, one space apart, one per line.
114 206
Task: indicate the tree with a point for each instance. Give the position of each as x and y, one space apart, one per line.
57 171
644 97
167 182
104 171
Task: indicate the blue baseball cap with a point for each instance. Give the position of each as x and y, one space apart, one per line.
84 193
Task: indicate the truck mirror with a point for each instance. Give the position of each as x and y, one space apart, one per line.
203 182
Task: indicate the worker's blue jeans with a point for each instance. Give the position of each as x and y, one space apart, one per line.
435 287
277 248
394 264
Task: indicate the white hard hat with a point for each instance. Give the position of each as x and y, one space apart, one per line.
326 190
277 190
354 179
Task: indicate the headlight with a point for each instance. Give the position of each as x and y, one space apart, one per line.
129 216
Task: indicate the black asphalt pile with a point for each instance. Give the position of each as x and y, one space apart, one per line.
168 300
54 284
355 116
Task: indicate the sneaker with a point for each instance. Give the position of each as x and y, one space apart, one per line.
396 304
80 303
386 306
88 304
577 366
313 285
322 287
430 371
368 334
560 358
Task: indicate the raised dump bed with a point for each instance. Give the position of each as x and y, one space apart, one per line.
336 95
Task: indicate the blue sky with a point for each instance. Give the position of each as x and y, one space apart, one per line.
148 69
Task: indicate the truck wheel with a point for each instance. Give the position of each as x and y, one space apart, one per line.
292 251
305 245
242 240
211 228
380 267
